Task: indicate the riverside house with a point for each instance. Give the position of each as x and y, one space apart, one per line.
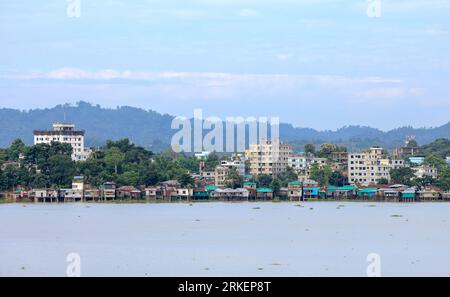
153 193
264 194
128 193
109 191
230 194
295 191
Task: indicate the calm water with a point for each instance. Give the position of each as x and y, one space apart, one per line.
225 239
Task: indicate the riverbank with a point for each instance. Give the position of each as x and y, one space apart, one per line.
3 201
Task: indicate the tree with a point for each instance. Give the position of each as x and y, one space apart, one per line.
61 170
128 178
412 143
16 149
337 179
440 147
435 160
3 156
286 177
233 179
403 176
275 185
123 145
212 161
10 177
443 180
114 157
263 180
149 175
321 175
327 149
424 181
383 181
310 148
186 179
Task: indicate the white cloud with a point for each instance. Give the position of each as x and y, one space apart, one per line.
109 74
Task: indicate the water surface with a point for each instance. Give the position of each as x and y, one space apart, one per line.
225 239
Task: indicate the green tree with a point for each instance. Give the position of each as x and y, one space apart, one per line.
16 149
403 176
233 179
114 157
383 181
310 148
440 147
212 161
337 179
412 143
264 180
128 178
286 177
443 180
3 156
327 149
275 185
435 160
424 181
61 170
185 180
321 175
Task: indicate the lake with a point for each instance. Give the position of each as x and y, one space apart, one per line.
226 239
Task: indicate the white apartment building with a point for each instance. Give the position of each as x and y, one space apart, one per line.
370 166
269 157
221 172
64 133
299 163
424 170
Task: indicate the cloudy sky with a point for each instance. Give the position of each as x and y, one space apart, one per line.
315 63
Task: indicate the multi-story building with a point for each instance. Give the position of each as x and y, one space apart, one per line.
370 166
424 170
64 133
269 157
221 172
299 163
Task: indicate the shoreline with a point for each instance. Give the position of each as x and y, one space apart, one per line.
219 201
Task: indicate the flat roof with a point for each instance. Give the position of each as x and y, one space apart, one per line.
55 133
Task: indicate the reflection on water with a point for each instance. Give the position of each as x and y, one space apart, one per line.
225 239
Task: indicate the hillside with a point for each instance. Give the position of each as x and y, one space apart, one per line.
152 130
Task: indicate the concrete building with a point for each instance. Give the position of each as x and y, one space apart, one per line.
300 163
424 170
221 172
64 133
370 166
230 194
269 157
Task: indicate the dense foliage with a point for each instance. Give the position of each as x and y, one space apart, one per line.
120 161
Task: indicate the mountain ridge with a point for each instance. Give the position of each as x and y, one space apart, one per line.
152 129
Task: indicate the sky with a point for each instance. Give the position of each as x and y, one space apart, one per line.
322 64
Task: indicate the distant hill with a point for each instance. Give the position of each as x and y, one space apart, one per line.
152 130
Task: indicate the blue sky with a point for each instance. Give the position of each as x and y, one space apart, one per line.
321 64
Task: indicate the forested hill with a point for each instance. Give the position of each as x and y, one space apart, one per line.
152 130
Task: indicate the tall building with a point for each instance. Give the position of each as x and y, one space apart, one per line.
370 166
64 133
269 157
